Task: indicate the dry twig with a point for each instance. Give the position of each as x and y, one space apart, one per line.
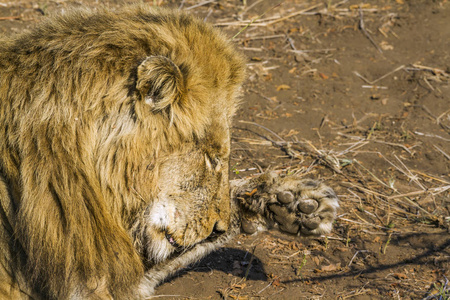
10 18
200 4
378 79
363 28
269 21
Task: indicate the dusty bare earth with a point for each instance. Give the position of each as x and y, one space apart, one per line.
353 92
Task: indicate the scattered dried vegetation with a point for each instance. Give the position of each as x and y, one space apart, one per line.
391 238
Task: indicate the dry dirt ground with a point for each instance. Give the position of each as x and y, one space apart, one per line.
353 92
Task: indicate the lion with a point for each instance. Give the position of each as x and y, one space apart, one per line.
114 156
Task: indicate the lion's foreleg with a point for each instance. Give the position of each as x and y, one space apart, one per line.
160 272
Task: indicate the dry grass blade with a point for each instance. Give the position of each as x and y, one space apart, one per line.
417 193
441 74
373 175
431 177
431 135
329 158
251 6
267 22
10 18
407 172
367 224
265 128
353 147
442 151
362 26
365 141
264 37
200 4
356 253
362 189
253 20
380 78
404 170
295 14
313 51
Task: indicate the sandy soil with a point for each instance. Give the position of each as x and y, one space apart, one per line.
357 94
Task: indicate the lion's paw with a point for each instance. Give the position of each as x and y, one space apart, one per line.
294 205
305 206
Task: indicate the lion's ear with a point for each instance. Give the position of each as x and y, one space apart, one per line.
159 82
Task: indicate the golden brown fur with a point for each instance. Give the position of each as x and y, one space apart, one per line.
77 139
114 148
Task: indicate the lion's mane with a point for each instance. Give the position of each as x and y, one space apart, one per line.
88 102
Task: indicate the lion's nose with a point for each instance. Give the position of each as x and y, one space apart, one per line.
219 228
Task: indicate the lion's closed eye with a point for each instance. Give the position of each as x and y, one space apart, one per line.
213 164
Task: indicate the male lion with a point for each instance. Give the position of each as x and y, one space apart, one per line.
114 152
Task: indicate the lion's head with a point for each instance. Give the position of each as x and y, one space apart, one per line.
189 200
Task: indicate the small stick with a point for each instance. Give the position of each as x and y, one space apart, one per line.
428 84
382 77
10 18
353 147
374 87
294 14
433 70
431 177
333 238
357 252
265 97
356 122
313 50
438 119
408 173
360 139
210 10
253 20
258 22
265 288
416 193
243 23
367 224
252 49
265 128
181 4
261 37
251 6
363 28
396 145
433 116
199 4
432 135
373 175
291 43
442 151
